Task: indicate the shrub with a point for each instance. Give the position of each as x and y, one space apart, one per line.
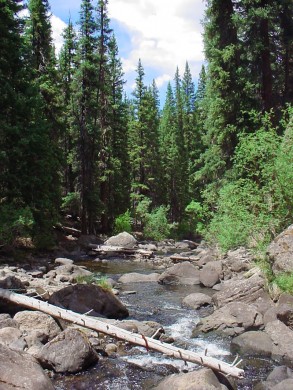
156 224
15 222
123 223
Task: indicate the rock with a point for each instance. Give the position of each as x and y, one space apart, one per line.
147 328
124 239
13 283
183 273
283 312
281 376
197 300
148 247
135 277
63 261
232 319
238 260
18 370
211 273
203 379
263 303
246 290
36 321
7 321
69 352
111 349
12 338
280 252
68 273
252 343
182 245
282 338
82 298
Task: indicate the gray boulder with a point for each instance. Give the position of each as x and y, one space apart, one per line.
124 239
280 252
83 298
183 273
203 379
211 273
135 277
242 290
63 261
281 378
232 320
33 322
7 321
69 352
282 312
18 370
13 283
12 338
282 338
252 343
197 300
68 273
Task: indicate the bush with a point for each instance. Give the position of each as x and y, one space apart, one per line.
70 203
15 222
123 223
156 224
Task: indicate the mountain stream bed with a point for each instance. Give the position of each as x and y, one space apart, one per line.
142 370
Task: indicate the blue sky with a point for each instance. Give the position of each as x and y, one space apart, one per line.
163 33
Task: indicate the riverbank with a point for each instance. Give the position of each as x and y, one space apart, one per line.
225 298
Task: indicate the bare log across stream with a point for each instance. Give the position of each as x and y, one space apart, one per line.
136 339
115 250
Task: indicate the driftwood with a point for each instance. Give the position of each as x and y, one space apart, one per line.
115 250
137 339
178 258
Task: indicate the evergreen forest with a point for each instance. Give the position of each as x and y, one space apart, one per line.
216 161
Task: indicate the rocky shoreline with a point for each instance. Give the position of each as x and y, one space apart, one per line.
240 308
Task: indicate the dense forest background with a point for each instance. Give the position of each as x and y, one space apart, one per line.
217 161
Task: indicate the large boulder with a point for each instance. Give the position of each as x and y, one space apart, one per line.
282 338
242 290
124 239
37 323
203 379
135 277
68 273
211 273
281 378
13 283
253 343
282 312
69 352
18 370
197 300
183 273
83 298
280 252
12 338
232 320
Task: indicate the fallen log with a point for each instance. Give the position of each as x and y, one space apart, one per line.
137 339
178 258
115 250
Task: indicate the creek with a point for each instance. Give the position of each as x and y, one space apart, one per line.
140 370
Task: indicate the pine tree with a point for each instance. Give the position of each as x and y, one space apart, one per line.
173 158
85 110
67 64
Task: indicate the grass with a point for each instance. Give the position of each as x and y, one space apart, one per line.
101 281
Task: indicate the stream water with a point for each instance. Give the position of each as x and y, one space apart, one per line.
140 370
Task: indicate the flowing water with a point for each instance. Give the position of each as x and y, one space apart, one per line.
140 370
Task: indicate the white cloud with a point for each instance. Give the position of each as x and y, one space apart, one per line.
161 80
57 30
164 34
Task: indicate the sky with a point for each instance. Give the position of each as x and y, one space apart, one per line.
164 34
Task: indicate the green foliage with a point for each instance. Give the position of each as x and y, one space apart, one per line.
195 214
97 279
285 282
123 223
70 203
14 222
156 224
